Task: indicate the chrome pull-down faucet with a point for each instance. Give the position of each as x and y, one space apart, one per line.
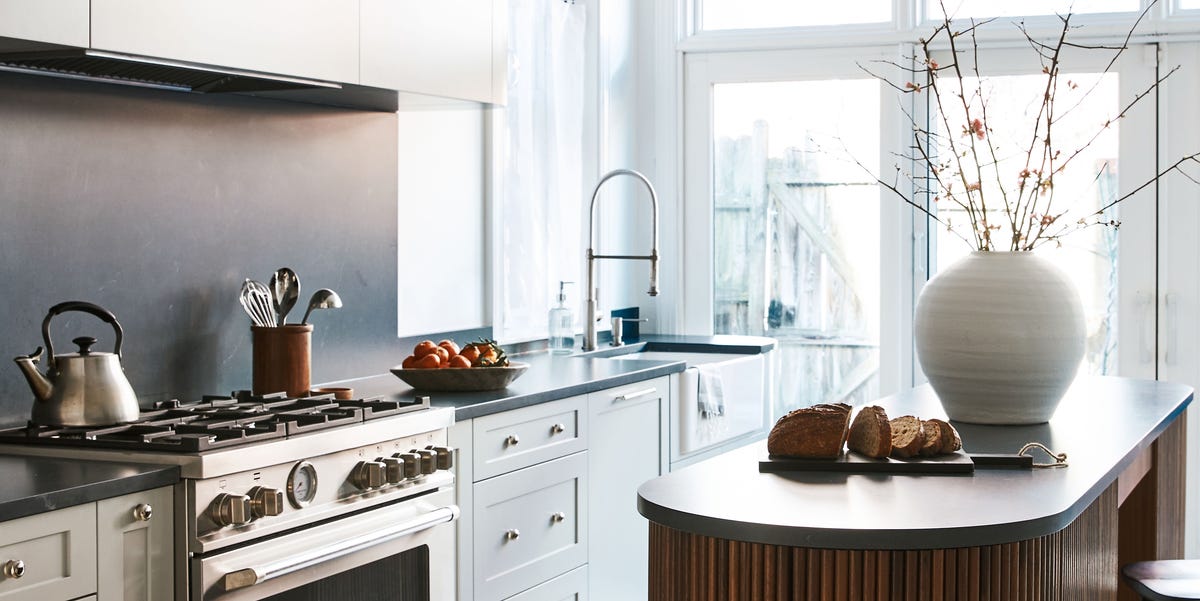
591 317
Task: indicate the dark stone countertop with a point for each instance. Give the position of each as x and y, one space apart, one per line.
556 376
1102 424
33 485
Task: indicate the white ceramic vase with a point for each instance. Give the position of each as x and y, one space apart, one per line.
1000 335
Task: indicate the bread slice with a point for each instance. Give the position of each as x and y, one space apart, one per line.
907 436
951 441
871 433
933 438
817 432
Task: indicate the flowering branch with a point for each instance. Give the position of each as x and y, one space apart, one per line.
963 163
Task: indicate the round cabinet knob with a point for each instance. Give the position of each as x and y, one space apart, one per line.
512 534
393 469
557 429
265 501
557 517
512 440
368 474
412 464
428 461
143 512
230 510
445 456
14 568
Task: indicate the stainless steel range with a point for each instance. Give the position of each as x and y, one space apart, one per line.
292 498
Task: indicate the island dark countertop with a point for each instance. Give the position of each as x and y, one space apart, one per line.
552 376
1103 424
33 485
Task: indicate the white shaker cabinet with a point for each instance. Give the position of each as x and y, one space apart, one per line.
52 21
117 549
627 427
451 48
50 555
549 495
135 546
315 39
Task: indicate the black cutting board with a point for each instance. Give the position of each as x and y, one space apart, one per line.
953 463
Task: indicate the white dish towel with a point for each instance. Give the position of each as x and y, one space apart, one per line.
710 392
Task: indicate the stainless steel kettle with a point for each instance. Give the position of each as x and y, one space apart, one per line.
85 388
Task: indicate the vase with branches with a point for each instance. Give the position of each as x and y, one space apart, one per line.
1000 334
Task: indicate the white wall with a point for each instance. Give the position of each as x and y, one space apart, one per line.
442 281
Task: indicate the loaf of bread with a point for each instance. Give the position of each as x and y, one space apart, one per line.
871 433
817 432
907 436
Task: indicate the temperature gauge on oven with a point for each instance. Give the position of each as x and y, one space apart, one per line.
302 484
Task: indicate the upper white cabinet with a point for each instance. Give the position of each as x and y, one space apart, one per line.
316 39
451 48
53 21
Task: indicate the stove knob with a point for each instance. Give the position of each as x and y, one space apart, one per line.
368 474
428 461
393 469
230 510
412 464
265 501
445 456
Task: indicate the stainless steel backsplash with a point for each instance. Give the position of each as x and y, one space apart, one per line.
156 205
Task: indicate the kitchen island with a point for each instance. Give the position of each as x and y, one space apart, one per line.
722 530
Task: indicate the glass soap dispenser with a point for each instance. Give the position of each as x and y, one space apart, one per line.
562 323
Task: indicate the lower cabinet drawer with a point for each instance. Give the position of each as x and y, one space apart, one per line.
530 526
571 586
55 552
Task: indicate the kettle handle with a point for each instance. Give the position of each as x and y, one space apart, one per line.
85 307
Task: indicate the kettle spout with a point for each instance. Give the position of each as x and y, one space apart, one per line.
40 385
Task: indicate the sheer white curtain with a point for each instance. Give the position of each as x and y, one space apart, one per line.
539 162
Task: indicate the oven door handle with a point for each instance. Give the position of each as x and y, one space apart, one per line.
262 573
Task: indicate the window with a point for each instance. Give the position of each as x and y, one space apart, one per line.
964 9
753 14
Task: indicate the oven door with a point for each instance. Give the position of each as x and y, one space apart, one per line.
403 551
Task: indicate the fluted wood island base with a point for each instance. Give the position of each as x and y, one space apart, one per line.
995 535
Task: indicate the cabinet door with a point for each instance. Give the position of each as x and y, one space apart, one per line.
625 450
53 21
440 48
307 38
56 552
530 526
136 546
571 586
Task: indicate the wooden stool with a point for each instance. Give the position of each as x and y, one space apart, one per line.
1164 580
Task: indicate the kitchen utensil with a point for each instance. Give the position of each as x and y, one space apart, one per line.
86 388
285 289
256 301
322 299
461 378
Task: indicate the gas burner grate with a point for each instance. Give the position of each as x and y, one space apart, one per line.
216 422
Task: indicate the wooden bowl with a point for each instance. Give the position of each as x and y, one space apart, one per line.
461 379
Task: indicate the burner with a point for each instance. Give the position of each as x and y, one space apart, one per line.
218 421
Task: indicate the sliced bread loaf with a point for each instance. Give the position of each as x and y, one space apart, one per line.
950 440
871 433
933 438
907 436
812 432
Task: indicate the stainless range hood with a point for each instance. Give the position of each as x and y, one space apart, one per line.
164 74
